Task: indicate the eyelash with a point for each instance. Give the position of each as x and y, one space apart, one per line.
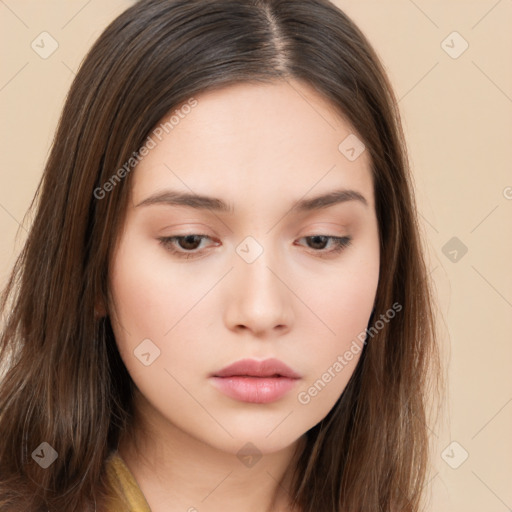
168 243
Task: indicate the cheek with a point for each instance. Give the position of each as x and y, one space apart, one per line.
149 300
335 350
342 307
341 298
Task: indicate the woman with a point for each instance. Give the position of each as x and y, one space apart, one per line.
223 300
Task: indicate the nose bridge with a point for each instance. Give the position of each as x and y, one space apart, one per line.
255 259
259 299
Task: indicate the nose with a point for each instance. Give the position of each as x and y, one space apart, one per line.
259 299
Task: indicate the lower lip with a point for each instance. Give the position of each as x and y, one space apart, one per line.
257 390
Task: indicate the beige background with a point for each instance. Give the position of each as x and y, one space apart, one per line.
457 115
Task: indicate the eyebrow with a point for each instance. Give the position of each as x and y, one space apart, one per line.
201 202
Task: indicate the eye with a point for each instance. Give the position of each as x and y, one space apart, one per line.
188 244
320 241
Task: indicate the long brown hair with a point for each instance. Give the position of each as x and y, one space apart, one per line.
63 380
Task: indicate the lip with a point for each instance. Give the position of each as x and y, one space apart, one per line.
254 368
249 380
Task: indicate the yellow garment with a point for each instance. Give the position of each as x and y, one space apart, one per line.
129 496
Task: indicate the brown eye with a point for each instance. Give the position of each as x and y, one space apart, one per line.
189 242
319 243
183 246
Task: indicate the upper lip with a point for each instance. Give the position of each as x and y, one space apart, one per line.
253 368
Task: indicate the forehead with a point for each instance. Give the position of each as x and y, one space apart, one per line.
253 143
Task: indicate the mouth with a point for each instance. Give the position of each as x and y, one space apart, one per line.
253 381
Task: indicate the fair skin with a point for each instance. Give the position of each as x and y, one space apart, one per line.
259 148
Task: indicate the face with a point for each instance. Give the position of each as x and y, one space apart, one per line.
259 272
